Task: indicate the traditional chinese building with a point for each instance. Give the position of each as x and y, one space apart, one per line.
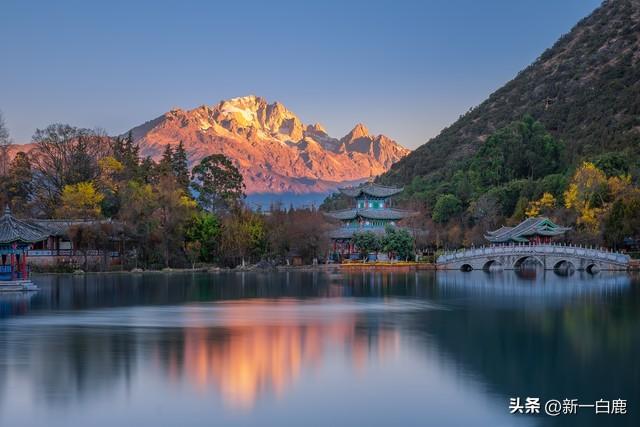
538 230
16 238
372 211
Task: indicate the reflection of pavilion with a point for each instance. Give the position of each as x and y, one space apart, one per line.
247 361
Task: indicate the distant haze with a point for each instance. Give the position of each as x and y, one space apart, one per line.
407 69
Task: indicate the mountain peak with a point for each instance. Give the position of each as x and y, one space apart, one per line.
316 128
359 131
273 149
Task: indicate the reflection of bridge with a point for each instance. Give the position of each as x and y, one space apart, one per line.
550 256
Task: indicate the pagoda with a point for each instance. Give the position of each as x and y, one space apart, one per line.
16 238
372 212
538 230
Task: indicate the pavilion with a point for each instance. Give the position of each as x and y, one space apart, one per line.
373 212
538 230
16 238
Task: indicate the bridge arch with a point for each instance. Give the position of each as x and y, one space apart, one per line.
517 265
564 266
466 267
491 263
593 268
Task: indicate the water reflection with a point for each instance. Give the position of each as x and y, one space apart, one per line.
378 348
244 361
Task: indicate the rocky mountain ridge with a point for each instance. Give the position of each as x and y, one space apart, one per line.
273 149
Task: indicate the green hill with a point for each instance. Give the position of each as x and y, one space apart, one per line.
585 90
579 101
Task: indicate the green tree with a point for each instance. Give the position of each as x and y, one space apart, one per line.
18 184
447 206
181 167
243 238
398 242
138 203
366 242
175 210
204 228
148 171
165 166
622 219
218 183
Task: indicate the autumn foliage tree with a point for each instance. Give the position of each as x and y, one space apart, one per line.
591 193
81 201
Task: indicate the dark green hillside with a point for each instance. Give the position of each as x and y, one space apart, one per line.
585 90
522 152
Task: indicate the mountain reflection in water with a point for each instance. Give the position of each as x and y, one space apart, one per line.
244 359
279 349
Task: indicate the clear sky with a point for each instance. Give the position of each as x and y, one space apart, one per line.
405 69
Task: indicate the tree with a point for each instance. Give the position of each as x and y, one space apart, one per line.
542 206
194 252
522 149
398 242
65 155
138 203
148 171
218 183
587 195
165 166
243 237
80 200
180 166
366 242
18 184
112 172
622 220
174 211
203 229
447 206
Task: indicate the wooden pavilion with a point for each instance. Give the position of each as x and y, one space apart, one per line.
16 238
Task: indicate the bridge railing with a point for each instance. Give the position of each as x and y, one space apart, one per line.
601 254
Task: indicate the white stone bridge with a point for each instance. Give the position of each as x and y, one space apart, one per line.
550 256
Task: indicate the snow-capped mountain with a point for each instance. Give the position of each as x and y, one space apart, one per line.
273 149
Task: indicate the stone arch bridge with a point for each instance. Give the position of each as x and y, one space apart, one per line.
550 256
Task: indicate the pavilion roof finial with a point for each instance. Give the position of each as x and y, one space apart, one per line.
7 209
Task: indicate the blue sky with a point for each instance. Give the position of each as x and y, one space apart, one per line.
405 69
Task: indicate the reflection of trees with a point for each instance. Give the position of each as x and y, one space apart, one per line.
586 349
548 336
73 363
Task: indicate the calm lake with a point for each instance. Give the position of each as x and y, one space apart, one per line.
318 349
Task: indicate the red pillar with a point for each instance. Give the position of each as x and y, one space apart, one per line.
24 265
13 268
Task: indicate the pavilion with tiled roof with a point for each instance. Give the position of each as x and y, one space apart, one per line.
372 213
16 237
531 230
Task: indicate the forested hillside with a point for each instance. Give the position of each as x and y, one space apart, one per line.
585 90
568 123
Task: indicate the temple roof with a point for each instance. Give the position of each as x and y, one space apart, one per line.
386 213
529 227
370 189
15 230
60 227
